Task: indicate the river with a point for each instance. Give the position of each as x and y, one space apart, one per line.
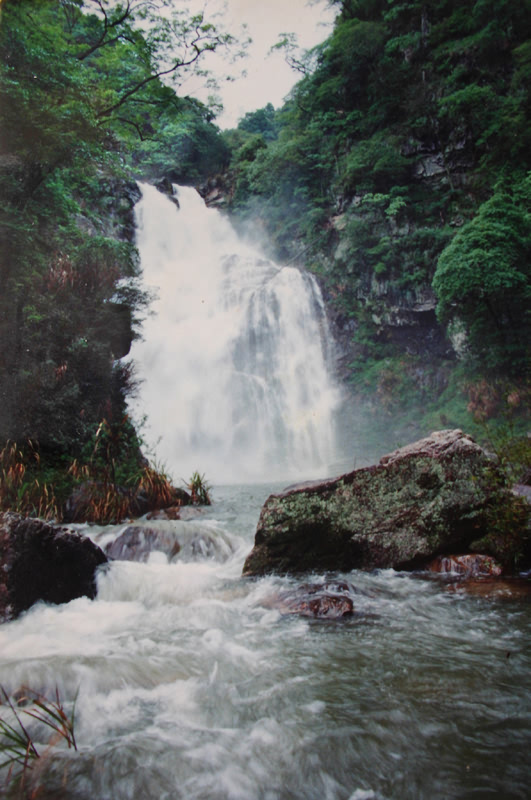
190 684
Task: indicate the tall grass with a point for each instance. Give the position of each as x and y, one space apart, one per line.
107 492
22 491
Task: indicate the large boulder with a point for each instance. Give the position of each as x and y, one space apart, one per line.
439 495
39 561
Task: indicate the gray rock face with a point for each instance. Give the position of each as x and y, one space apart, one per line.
39 561
439 495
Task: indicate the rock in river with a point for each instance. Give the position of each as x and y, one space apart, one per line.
185 540
470 565
39 561
331 600
439 495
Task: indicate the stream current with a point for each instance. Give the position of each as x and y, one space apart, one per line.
192 685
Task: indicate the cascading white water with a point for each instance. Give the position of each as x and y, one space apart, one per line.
235 358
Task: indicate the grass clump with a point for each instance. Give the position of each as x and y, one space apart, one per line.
20 750
199 490
23 487
110 480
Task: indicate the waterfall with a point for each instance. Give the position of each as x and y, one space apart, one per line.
234 363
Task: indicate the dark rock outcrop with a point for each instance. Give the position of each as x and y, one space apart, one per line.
217 192
39 561
439 495
165 186
87 496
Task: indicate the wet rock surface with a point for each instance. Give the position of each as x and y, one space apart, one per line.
317 600
173 512
185 540
39 561
137 543
441 494
471 565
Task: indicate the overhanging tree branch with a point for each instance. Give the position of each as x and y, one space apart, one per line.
198 50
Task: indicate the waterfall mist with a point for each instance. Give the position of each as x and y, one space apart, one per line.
235 360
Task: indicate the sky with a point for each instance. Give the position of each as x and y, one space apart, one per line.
269 79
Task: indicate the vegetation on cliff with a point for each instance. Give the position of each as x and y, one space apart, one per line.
398 170
83 101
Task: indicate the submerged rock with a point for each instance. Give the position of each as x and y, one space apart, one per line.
438 495
188 541
39 561
319 600
508 588
137 542
471 565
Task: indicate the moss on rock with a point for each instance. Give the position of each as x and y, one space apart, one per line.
435 496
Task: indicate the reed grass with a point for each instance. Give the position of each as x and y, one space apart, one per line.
19 752
19 490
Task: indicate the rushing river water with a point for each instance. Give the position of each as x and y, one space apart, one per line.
191 685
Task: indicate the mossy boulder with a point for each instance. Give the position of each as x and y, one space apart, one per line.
439 495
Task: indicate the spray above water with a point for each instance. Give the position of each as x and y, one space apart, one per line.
235 358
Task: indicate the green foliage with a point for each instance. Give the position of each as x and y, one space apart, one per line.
26 487
186 146
263 122
199 490
483 279
386 155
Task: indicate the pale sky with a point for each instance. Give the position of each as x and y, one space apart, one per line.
269 79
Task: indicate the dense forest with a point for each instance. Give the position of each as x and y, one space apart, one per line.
397 171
